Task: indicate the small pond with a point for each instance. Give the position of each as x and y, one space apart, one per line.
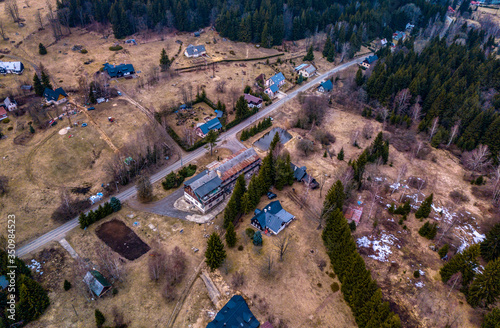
264 142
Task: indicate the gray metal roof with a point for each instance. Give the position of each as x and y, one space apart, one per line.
193 50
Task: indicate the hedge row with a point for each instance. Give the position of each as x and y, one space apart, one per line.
264 124
114 205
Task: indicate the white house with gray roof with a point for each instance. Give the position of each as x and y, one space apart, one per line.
307 71
195 51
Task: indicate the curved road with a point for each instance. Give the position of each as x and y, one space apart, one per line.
61 231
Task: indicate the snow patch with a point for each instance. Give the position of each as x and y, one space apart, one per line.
419 284
381 247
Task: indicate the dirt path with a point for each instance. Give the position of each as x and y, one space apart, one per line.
31 156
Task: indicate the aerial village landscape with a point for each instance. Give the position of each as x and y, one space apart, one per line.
250 164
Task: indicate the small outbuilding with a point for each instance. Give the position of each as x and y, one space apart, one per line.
300 174
10 104
96 282
3 113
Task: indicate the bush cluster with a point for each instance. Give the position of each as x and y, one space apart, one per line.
114 205
174 180
428 230
115 48
264 124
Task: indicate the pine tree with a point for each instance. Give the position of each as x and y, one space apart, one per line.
425 208
359 79
33 299
32 130
340 156
328 45
234 206
92 99
257 238
164 61
490 247
485 289
99 318
300 79
310 54
67 285
41 49
492 319
215 253
37 85
115 204
331 54
231 238
83 220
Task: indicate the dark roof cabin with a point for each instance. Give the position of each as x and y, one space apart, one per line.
54 95
97 283
272 218
300 174
119 70
234 314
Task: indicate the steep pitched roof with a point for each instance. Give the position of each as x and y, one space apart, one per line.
274 88
203 183
252 99
50 94
309 69
327 85
273 216
219 113
234 314
277 78
193 50
301 66
371 59
298 172
213 124
96 282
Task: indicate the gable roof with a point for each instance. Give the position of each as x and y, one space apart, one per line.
252 99
371 59
219 113
235 313
96 282
3 112
277 78
50 94
273 216
236 163
327 85
213 124
309 69
298 172
8 101
274 88
298 68
193 50
113 71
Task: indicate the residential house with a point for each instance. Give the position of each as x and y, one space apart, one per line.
195 51
253 101
272 90
56 97
300 174
203 129
210 187
11 67
131 41
325 86
398 35
10 104
409 27
272 218
278 79
235 313
119 70
301 66
368 61
3 113
96 282
307 71
383 42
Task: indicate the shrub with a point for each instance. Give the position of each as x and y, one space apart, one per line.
115 48
352 226
335 287
84 51
10 128
42 50
249 232
458 196
416 274
240 248
6 121
67 285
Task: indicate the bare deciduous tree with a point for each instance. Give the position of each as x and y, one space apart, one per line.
367 130
402 101
220 86
416 112
355 134
2 31
12 9
238 279
156 263
282 244
434 127
234 93
64 17
109 261
477 160
453 133
305 146
38 18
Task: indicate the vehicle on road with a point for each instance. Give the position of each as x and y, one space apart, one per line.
119 93
91 108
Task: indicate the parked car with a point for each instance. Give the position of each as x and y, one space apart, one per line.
119 93
91 108
84 125
271 195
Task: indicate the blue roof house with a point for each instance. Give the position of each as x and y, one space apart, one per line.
213 124
325 86
278 79
272 218
235 314
118 70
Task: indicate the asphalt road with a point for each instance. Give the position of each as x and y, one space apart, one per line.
61 231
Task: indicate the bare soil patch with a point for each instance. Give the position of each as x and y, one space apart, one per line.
122 239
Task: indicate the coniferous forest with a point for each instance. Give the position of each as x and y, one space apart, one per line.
266 22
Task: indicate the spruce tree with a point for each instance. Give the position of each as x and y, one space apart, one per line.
340 156
310 54
241 108
164 61
334 198
234 208
485 289
215 253
37 85
115 204
41 49
492 319
33 299
425 208
331 54
328 45
490 247
67 285
359 79
32 130
46 80
92 99
99 318
231 238
257 238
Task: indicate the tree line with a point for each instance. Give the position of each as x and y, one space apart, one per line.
114 205
265 22
450 91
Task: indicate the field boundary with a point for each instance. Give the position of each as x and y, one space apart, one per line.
186 69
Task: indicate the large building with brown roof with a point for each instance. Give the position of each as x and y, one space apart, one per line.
210 187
